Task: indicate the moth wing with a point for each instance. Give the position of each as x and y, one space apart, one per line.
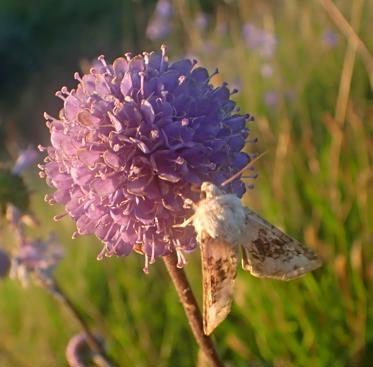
270 253
219 269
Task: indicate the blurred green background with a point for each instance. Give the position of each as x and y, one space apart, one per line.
308 85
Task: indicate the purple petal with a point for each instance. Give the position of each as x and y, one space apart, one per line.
81 175
120 67
86 225
123 248
61 181
236 123
164 164
102 86
85 118
105 186
129 235
184 67
236 142
61 196
112 160
140 176
200 75
145 211
172 202
240 160
238 187
71 107
126 84
147 111
89 157
119 217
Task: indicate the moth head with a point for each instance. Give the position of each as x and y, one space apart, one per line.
209 190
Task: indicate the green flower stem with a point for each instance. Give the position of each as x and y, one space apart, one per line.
99 358
192 311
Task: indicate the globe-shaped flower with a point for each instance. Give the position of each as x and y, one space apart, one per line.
132 142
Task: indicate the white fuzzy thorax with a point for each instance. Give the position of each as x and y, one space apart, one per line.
220 215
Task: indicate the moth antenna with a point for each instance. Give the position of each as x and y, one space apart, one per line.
239 173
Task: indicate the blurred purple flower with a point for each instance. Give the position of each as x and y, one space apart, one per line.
25 159
163 8
266 70
78 353
4 264
160 23
17 217
201 21
271 98
256 39
35 258
13 215
131 142
330 39
221 27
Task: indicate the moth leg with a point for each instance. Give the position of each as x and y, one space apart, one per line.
245 259
185 223
189 204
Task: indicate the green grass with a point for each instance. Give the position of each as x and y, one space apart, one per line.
315 182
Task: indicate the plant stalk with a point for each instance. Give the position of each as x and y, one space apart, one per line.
99 357
192 310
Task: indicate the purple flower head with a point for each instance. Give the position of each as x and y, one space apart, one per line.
35 258
160 23
135 139
256 39
25 159
4 264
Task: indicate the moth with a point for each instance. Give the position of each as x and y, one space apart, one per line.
224 227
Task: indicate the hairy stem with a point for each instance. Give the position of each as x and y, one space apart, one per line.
192 311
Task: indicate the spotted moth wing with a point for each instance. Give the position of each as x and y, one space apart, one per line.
219 269
270 253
